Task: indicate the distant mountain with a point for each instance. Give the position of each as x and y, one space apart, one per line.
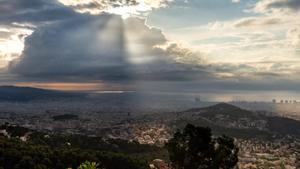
237 122
226 110
23 94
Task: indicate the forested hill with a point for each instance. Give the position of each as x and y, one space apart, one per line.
227 119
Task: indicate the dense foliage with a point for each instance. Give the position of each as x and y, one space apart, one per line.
195 148
15 154
54 151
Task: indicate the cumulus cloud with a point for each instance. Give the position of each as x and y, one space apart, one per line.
82 46
101 48
92 47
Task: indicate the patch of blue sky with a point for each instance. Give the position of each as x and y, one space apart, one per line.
199 12
217 40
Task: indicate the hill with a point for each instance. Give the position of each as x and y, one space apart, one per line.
23 94
237 122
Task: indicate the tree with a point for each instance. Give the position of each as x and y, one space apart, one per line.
195 148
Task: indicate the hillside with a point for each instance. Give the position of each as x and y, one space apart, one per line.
237 122
23 94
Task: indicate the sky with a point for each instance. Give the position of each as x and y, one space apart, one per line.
151 45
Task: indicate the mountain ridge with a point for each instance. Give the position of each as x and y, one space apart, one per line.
24 94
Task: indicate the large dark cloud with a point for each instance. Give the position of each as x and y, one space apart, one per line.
103 47
84 46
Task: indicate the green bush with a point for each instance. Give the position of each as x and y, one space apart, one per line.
89 165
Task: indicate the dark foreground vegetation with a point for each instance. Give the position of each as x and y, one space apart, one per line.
193 148
69 151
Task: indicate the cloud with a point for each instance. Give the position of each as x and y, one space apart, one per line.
11 43
90 47
36 11
32 11
5 58
85 46
257 21
21 18
235 1
128 8
185 56
96 6
293 35
266 6
103 47
18 19
260 70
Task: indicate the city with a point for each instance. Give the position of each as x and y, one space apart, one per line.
257 149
